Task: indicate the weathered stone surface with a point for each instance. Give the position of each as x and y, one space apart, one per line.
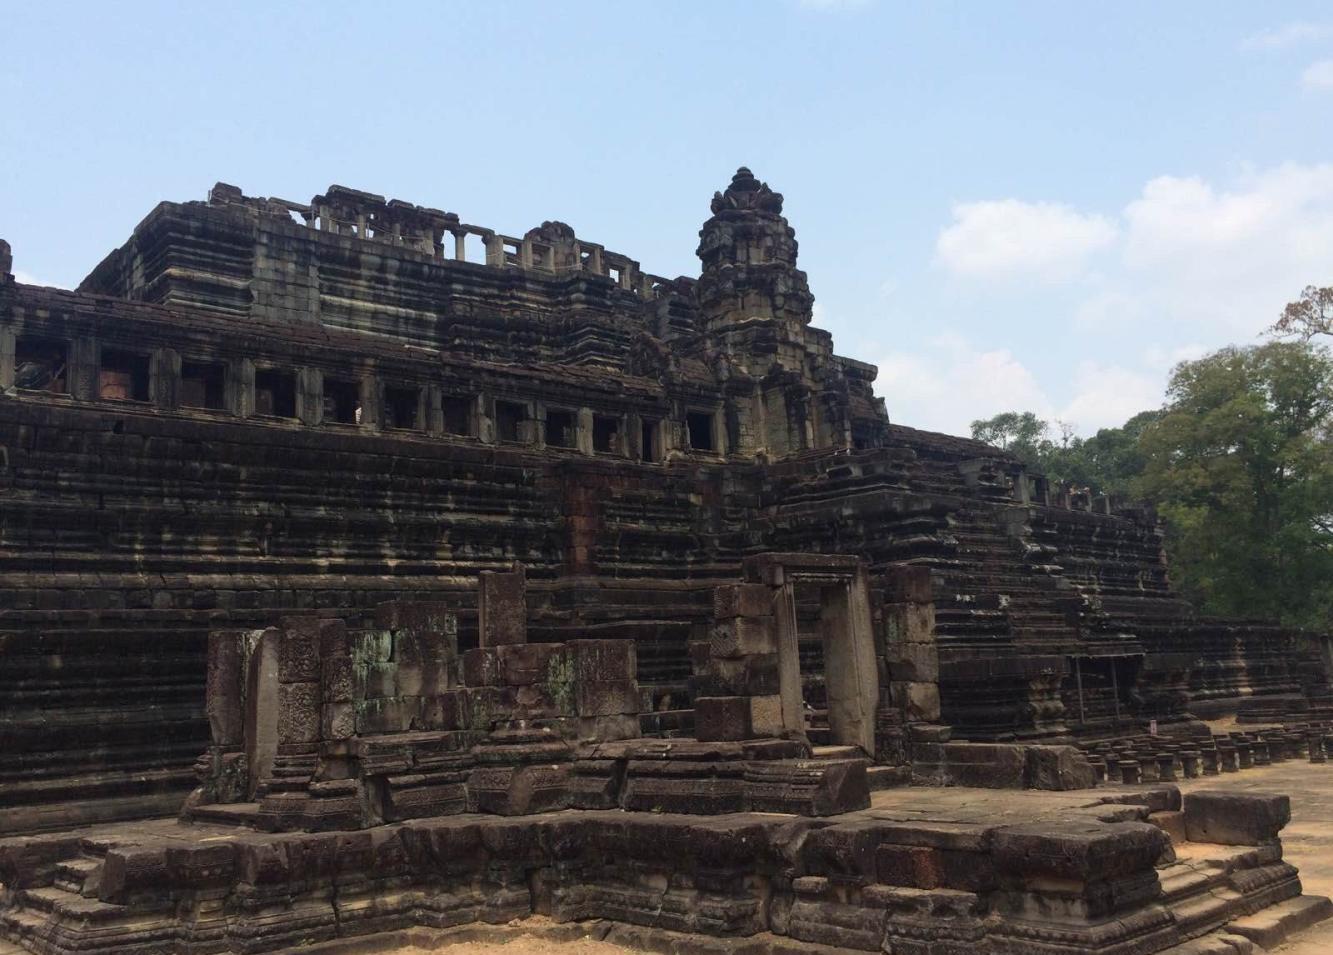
354 402
503 608
1235 819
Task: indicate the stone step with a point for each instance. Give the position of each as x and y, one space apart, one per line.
888 777
16 923
834 751
1180 881
227 814
50 900
1206 911
72 873
1272 926
1217 943
45 898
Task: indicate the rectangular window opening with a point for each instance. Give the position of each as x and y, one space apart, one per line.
509 418
342 401
650 449
41 364
400 408
699 425
275 393
123 376
203 385
561 429
457 415
605 434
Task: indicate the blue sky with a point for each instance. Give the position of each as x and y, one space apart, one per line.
1006 206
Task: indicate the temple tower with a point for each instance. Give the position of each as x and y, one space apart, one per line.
756 308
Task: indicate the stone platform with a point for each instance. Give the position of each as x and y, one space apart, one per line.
929 871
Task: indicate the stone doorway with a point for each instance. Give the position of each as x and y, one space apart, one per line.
837 586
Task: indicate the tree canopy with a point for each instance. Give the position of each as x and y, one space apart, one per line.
1107 462
1241 468
1239 464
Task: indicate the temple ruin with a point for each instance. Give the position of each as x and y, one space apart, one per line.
366 570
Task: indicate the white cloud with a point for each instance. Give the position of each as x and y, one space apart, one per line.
1013 239
24 278
1106 310
1160 358
1318 75
1228 258
1188 265
1288 34
951 382
1108 395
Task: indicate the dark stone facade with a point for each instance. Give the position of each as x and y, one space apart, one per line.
258 409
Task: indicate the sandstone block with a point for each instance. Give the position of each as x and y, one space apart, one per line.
338 721
918 701
603 660
337 680
720 718
298 653
1235 819
223 699
755 675
913 662
742 600
503 609
391 715
606 697
298 712
909 623
481 667
908 583
1058 768
521 664
742 636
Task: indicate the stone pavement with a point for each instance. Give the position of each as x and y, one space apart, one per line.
1307 841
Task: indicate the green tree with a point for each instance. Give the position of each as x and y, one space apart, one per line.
1021 433
1111 460
1241 469
1107 463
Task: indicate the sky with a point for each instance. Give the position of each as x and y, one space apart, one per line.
1005 206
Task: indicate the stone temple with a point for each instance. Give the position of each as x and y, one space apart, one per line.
368 572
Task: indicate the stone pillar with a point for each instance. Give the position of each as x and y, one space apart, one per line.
460 246
6 262
8 343
310 395
741 691
485 411
583 434
164 376
911 657
242 399
261 705
433 402
84 365
503 608
849 662
370 403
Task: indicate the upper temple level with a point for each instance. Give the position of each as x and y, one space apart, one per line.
403 274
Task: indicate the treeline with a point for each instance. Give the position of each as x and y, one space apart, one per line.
1238 463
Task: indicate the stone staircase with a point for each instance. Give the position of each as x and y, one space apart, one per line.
1232 900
